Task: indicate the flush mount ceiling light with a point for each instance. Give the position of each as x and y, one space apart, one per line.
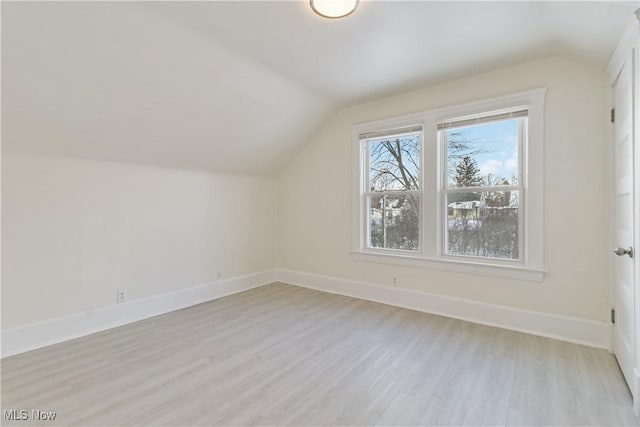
333 8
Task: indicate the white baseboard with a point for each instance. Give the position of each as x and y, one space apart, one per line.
575 330
41 334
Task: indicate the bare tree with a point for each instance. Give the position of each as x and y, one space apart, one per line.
395 164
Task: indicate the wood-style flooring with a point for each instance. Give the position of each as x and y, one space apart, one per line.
285 355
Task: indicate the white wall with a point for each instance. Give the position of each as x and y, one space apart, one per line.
76 230
316 194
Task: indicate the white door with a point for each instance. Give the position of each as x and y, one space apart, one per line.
624 223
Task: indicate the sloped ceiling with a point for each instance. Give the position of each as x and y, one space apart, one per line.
241 86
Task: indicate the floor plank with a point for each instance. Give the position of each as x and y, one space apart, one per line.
284 355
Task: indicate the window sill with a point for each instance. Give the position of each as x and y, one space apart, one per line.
485 269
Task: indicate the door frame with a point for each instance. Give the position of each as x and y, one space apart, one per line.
629 45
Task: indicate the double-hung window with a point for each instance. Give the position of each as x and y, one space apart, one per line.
482 184
456 188
392 192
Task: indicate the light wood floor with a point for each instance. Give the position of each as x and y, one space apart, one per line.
286 355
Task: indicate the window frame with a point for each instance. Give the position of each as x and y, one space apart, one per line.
432 254
444 189
367 193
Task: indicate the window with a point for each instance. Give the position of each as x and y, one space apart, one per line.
482 187
393 184
457 188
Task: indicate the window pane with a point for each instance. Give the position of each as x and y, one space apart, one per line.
483 224
394 221
394 163
483 155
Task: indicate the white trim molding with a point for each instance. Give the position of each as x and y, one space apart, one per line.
625 45
36 335
564 328
486 269
636 400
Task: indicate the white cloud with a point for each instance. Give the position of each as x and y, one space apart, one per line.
493 167
511 165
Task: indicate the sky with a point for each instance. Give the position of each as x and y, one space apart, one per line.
499 143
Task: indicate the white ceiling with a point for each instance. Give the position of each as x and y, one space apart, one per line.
241 86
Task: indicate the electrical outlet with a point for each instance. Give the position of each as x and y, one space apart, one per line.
121 295
395 281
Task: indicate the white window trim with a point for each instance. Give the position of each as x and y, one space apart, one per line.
443 189
531 267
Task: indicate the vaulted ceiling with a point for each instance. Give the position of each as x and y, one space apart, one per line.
242 86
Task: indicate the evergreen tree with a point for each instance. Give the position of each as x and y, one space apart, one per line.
467 173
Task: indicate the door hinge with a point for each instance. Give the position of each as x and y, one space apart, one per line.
613 315
613 115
